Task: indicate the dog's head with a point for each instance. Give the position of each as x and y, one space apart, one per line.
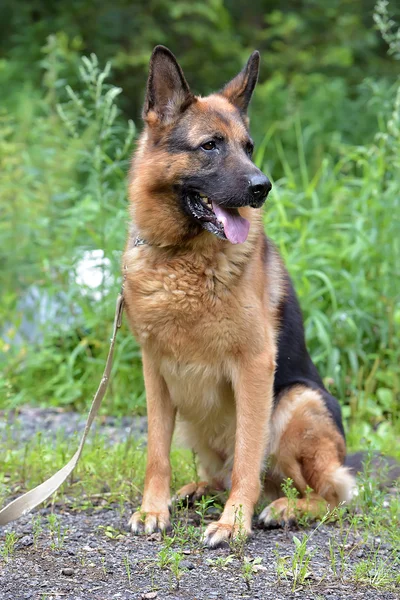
195 156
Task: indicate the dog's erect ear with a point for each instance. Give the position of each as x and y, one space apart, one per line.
168 93
240 89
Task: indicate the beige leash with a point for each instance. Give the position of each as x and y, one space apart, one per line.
25 503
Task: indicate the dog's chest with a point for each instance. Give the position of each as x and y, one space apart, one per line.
187 310
197 390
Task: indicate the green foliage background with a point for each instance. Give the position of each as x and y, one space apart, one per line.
326 119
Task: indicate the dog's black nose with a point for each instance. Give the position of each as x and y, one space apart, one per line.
259 186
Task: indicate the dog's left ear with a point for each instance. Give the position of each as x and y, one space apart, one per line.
240 89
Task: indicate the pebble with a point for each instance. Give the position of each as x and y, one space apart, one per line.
154 537
27 529
67 571
186 564
26 541
211 510
149 596
258 568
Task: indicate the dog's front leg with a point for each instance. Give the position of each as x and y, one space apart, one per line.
253 385
154 512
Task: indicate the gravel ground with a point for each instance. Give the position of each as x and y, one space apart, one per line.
85 561
25 423
90 566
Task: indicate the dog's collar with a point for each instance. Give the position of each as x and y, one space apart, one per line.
139 241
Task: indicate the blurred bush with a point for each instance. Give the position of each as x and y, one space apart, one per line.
327 122
212 38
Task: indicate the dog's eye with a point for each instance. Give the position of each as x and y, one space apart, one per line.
210 145
250 149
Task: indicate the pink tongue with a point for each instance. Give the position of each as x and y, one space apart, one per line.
236 228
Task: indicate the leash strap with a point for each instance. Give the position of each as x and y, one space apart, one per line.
25 503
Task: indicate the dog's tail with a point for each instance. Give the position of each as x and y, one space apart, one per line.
384 469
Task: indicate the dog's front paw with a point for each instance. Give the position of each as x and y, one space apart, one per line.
219 533
149 522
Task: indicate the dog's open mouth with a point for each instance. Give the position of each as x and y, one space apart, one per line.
224 222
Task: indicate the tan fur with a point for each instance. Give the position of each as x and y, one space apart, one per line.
203 316
205 313
305 446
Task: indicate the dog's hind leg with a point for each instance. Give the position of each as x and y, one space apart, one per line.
214 477
193 492
307 447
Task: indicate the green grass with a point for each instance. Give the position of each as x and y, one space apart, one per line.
336 232
112 473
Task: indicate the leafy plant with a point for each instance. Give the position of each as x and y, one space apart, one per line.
176 568
57 533
248 570
377 572
36 529
221 562
111 532
127 568
237 542
7 549
300 561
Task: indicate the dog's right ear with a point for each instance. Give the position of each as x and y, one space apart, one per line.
168 93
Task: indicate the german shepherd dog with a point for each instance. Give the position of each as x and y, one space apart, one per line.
213 308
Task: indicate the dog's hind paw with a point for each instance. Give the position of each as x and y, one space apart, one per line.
149 522
275 515
191 493
285 512
219 533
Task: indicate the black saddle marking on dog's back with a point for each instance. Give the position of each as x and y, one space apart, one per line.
294 364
